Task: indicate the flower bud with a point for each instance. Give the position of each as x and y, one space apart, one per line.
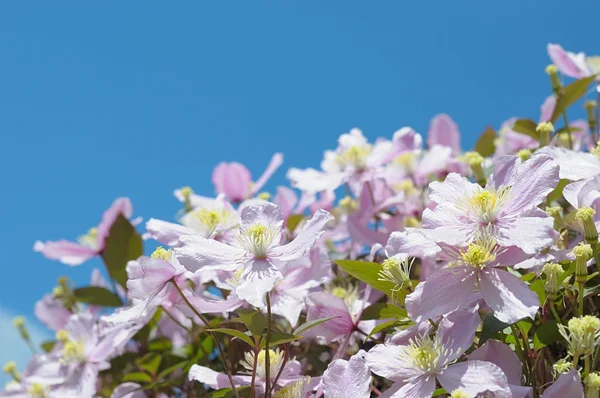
552 71
475 161
264 196
10 368
590 106
552 272
582 252
586 216
524 154
556 213
582 335
397 271
545 130
592 385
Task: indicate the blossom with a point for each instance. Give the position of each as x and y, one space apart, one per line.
234 179
89 245
444 131
573 65
258 252
507 205
415 367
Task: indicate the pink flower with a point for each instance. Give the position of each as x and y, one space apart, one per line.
570 64
348 379
258 256
444 131
415 367
234 179
89 245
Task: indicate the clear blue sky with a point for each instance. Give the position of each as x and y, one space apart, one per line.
107 99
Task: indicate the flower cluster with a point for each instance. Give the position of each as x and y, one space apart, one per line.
402 267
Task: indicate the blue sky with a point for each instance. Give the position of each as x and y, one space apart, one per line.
109 99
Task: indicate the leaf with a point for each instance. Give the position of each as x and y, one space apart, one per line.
439 392
383 311
309 325
243 392
280 338
164 373
558 191
235 333
160 344
527 127
546 334
486 145
150 362
571 94
293 221
254 320
538 287
367 272
96 295
121 245
528 277
48 345
138 377
491 326
384 327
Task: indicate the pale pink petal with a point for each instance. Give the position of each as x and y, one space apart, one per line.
119 206
547 108
51 312
567 385
349 379
211 378
441 225
444 131
167 233
311 231
507 295
573 165
442 292
128 390
66 252
286 199
276 161
113 339
457 330
324 305
453 190
505 168
565 63
475 377
389 361
81 384
412 243
208 306
265 213
233 180
530 234
502 356
258 278
313 181
196 253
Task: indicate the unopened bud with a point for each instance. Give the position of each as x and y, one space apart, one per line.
545 130
556 213
590 106
552 272
19 323
524 154
586 216
10 368
581 334
264 196
582 252
552 71
592 385
475 161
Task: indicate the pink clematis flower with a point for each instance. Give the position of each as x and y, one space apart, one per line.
348 379
573 65
508 206
89 245
234 179
258 256
444 131
415 367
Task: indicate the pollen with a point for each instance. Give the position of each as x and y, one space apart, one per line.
89 240
36 390
479 254
426 353
596 151
551 69
524 154
545 128
459 393
62 336
585 214
211 218
258 239
355 156
276 358
593 381
9 367
186 191
473 159
396 271
583 251
405 160
406 186
264 196
18 321
161 254
348 203
73 352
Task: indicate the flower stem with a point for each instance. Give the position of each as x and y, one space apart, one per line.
519 349
267 341
580 286
554 313
586 366
568 130
205 321
252 383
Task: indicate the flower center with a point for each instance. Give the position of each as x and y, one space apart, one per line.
275 361
406 160
396 271
486 204
258 239
89 240
478 255
593 63
36 390
211 218
162 254
73 352
355 156
427 353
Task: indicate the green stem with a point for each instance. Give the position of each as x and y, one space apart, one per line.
520 351
252 383
580 286
554 313
267 341
586 366
575 361
567 129
596 357
205 321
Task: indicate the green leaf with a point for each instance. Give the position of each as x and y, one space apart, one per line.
385 326
546 334
164 373
280 338
538 287
138 377
438 392
558 191
121 245
528 277
228 393
367 272
235 333
96 295
491 326
486 145
383 311
48 345
150 362
254 320
571 94
527 127
309 325
293 221
160 344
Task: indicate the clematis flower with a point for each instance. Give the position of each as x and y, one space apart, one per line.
348 379
573 65
508 205
258 255
234 179
444 131
89 245
474 268
215 219
291 372
567 385
501 355
415 367
575 165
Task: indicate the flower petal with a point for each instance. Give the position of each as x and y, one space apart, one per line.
475 377
276 161
565 62
349 379
567 385
386 361
573 165
507 295
530 234
502 356
258 278
196 253
167 233
119 206
444 131
66 252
